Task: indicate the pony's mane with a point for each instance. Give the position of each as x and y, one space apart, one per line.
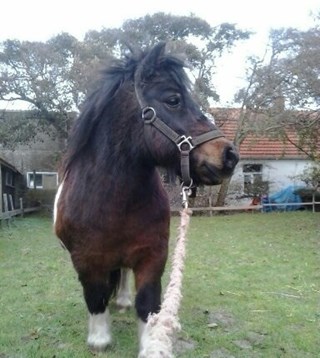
112 79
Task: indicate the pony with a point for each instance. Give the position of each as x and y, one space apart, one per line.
111 211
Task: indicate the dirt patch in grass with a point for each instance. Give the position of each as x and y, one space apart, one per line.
226 321
183 345
221 318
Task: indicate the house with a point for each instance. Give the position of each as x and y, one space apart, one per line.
38 163
11 183
267 164
37 160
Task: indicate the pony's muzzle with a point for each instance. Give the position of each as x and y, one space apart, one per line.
230 158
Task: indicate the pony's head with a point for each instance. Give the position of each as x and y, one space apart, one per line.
177 132
150 90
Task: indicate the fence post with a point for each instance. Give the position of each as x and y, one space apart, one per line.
5 203
11 202
6 209
210 200
314 202
21 207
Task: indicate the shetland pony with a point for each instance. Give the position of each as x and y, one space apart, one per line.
111 210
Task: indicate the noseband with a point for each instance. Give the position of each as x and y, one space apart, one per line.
184 143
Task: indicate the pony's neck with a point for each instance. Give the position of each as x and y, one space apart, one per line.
119 143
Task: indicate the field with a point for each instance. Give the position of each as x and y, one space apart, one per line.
251 289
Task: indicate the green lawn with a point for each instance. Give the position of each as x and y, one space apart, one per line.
251 289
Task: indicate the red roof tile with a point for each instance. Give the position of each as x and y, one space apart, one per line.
256 146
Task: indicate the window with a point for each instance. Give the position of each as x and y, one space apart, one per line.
42 180
9 178
252 171
252 175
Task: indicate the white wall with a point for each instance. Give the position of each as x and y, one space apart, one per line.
277 172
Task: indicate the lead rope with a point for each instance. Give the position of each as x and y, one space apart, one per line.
161 328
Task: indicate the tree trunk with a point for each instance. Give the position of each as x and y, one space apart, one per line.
223 192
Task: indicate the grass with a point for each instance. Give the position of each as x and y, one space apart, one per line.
251 289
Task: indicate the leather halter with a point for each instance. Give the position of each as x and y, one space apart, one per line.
184 143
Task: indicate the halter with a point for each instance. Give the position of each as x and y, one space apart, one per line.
184 143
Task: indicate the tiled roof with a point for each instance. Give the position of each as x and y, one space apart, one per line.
256 146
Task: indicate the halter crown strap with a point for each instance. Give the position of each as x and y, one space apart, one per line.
185 144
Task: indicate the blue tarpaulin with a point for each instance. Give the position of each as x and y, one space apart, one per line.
283 198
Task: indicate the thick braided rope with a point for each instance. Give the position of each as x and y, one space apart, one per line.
162 327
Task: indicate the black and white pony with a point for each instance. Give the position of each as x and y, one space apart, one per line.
111 210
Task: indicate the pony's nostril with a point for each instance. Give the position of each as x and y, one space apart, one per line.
231 157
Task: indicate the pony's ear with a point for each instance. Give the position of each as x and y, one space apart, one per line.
147 69
151 61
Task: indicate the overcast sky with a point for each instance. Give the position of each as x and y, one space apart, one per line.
38 20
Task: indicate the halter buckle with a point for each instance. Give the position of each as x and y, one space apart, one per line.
185 140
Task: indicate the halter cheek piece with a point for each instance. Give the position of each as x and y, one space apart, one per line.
184 143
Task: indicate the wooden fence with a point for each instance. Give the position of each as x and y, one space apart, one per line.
248 208
10 211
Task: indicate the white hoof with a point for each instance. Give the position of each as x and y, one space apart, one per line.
123 299
99 336
143 341
98 344
124 303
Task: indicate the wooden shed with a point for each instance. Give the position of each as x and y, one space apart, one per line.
11 184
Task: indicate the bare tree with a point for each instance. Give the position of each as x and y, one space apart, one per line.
54 77
282 95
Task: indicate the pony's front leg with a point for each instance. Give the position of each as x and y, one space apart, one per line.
148 301
123 299
99 334
97 294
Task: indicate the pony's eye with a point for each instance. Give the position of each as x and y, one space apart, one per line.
173 101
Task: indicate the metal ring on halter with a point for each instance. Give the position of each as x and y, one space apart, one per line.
144 116
187 187
185 193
